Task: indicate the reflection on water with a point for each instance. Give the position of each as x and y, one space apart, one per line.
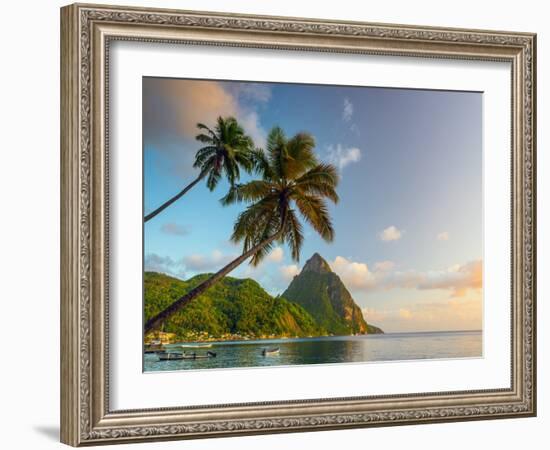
329 350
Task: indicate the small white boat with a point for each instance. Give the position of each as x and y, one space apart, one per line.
270 351
206 345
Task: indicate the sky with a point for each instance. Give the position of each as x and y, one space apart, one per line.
408 226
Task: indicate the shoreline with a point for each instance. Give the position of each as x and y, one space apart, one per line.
235 339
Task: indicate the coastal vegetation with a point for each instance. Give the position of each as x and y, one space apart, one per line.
231 309
315 304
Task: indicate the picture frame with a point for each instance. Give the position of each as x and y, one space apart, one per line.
87 32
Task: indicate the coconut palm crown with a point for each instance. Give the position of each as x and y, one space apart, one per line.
227 148
294 184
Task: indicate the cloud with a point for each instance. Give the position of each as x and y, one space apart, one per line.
443 236
355 275
258 92
347 113
188 265
457 279
153 262
176 106
341 156
206 263
391 234
175 229
289 272
250 121
173 107
445 314
276 255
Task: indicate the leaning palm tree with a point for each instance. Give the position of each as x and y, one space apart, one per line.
293 181
227 147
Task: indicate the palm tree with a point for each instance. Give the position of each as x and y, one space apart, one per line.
292 181
227 147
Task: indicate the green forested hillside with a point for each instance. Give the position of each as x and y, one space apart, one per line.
231 307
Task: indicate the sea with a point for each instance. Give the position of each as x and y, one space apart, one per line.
325 350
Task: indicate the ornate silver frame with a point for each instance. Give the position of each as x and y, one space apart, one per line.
86 32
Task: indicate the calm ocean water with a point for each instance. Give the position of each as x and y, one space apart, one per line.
329 350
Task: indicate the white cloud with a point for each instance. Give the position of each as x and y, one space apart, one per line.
175 229
443 236
258 92
341 156
206 263
250 121
347 113
276 255
289 272
354 275
457 279
391 234
153 262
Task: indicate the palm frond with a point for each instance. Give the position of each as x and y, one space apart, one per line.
214 177
253 218
231 169
276 149
300 155
202 126
203 155
249 192
267 229
321 173
314 210
261 164
208 164
294 234
205 139
320 180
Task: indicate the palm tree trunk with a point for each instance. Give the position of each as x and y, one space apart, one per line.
157 320
174 198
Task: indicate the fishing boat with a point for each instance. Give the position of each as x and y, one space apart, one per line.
207 345
154 348
195 356
170 356
270 351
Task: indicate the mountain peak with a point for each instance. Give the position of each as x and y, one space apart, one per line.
322 294
316 264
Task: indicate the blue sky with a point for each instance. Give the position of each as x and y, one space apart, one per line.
409 222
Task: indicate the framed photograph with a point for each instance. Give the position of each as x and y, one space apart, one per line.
276 225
